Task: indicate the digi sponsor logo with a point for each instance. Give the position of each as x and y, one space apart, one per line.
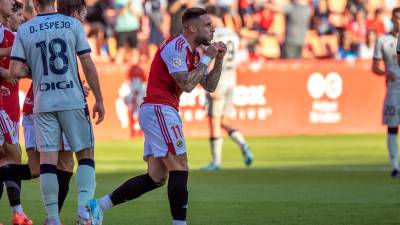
325 92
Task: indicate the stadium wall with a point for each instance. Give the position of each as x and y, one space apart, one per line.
273 98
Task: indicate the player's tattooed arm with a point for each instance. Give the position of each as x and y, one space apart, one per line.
92 78
210 82
187 81
91 75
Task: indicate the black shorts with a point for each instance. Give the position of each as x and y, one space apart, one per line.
129 37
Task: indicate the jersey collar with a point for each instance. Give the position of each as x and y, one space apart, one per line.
47 14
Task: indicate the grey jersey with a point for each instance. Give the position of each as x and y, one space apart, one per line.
231 39
49 44
385 49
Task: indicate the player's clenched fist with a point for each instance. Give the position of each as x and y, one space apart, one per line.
212 50
221 50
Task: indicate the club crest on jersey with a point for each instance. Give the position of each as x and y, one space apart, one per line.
176 62
179 143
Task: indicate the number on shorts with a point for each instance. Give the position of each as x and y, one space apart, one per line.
177 131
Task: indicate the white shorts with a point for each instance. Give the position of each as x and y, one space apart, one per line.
162 128
9 129
391 109
29 134
221 103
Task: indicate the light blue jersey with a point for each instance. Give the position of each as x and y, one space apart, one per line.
49 44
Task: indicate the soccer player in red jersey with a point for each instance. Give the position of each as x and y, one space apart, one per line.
9 116
177 67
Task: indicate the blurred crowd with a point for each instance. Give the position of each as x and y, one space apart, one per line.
131 30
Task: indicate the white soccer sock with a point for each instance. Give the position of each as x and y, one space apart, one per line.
393 148
18 209
86 184
105 203
216 150
49 188
178 222
53 220
238 138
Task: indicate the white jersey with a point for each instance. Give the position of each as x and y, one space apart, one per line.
385 48
49 44
232 41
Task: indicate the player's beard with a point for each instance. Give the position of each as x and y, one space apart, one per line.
202 41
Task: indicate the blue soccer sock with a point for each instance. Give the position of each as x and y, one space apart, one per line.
49 188
86 184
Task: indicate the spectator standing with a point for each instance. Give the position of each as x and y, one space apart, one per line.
377 24
99 26
358 29
355 5
155 9
320 21
127 27
297 17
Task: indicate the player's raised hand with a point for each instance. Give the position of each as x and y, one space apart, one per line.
86 89
98 109
221 50
212 50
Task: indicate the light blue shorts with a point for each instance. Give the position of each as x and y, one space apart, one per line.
75 124
29 134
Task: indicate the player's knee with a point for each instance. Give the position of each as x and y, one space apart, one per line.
66 161
66 164
393 130
159 178
85 154
35 170
181 166
13 153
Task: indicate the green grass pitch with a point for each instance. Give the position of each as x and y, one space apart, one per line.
302 180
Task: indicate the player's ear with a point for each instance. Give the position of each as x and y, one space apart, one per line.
193 28
75 14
